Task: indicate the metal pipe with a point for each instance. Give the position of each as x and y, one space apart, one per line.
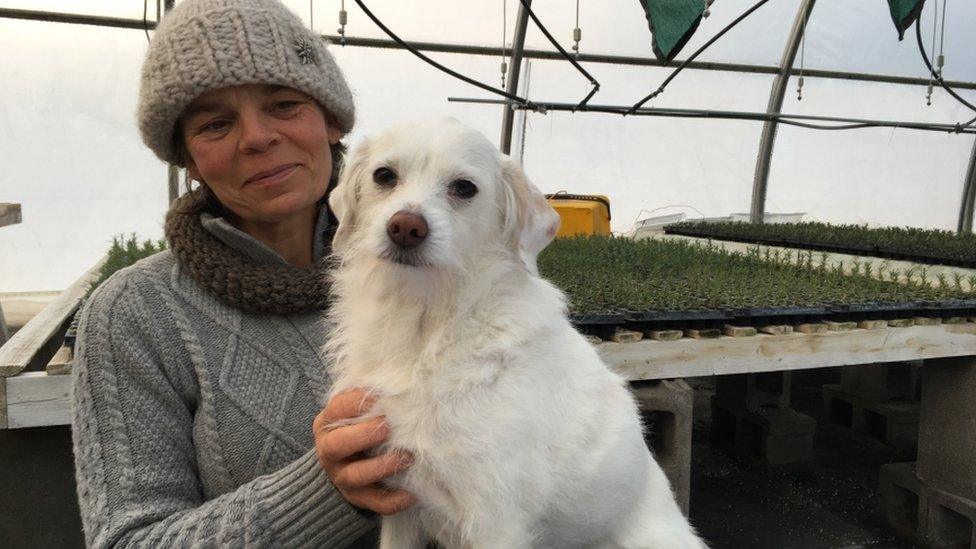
75 18
515 66
724 115
648 62
172 172
33 15
761 179
965 225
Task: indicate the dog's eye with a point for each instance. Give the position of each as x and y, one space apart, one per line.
462 188
385 177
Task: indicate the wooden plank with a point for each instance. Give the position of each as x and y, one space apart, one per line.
35 399
4 331
9 214
872 324
60 364
627 336
927 321
34 344
706 333
666 335
811 328
768 353
738 331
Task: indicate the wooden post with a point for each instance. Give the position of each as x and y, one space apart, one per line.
9 215
33 345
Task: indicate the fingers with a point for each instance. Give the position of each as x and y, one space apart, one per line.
342 442
368 471
342 447
381 500
346 405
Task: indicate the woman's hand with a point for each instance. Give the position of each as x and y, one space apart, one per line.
341 451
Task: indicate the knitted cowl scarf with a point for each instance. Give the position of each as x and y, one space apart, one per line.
235 280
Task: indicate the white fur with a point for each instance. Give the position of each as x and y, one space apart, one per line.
521 436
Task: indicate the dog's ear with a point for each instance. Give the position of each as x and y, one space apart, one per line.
344 199
530 221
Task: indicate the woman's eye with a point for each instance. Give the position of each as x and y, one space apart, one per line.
462 188
385 177
214 126
286 106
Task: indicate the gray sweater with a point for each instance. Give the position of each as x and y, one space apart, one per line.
193 420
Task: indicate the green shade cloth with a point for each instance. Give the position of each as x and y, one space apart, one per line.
904 13
672 22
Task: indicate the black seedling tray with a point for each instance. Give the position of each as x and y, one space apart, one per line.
871 251
604 324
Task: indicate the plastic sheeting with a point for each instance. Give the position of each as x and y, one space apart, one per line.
72 157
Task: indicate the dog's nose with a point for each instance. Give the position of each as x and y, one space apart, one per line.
407 229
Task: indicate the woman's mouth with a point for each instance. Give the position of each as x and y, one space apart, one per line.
273 175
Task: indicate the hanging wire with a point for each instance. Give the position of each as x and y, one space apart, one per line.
145 18
961 127
577 33
698 52
928 64
525 114
504 36
935 32
803 50
940 62
341 31
548 35
518 100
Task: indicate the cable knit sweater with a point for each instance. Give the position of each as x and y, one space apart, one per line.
192 420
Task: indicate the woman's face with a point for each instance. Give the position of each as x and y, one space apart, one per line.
263 150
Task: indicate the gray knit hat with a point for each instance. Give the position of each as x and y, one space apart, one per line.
204 45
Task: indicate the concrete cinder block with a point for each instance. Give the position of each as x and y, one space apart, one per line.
891 426
667 408
881 382
929 514
950 520
947 426
771 438
754 391
904 502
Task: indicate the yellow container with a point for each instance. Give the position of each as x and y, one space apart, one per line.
581 213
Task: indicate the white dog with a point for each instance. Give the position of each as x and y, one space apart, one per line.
521 436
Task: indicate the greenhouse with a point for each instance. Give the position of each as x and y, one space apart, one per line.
766 229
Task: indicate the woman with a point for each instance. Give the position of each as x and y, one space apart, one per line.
197 374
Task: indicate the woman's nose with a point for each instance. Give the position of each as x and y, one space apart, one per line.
257 132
